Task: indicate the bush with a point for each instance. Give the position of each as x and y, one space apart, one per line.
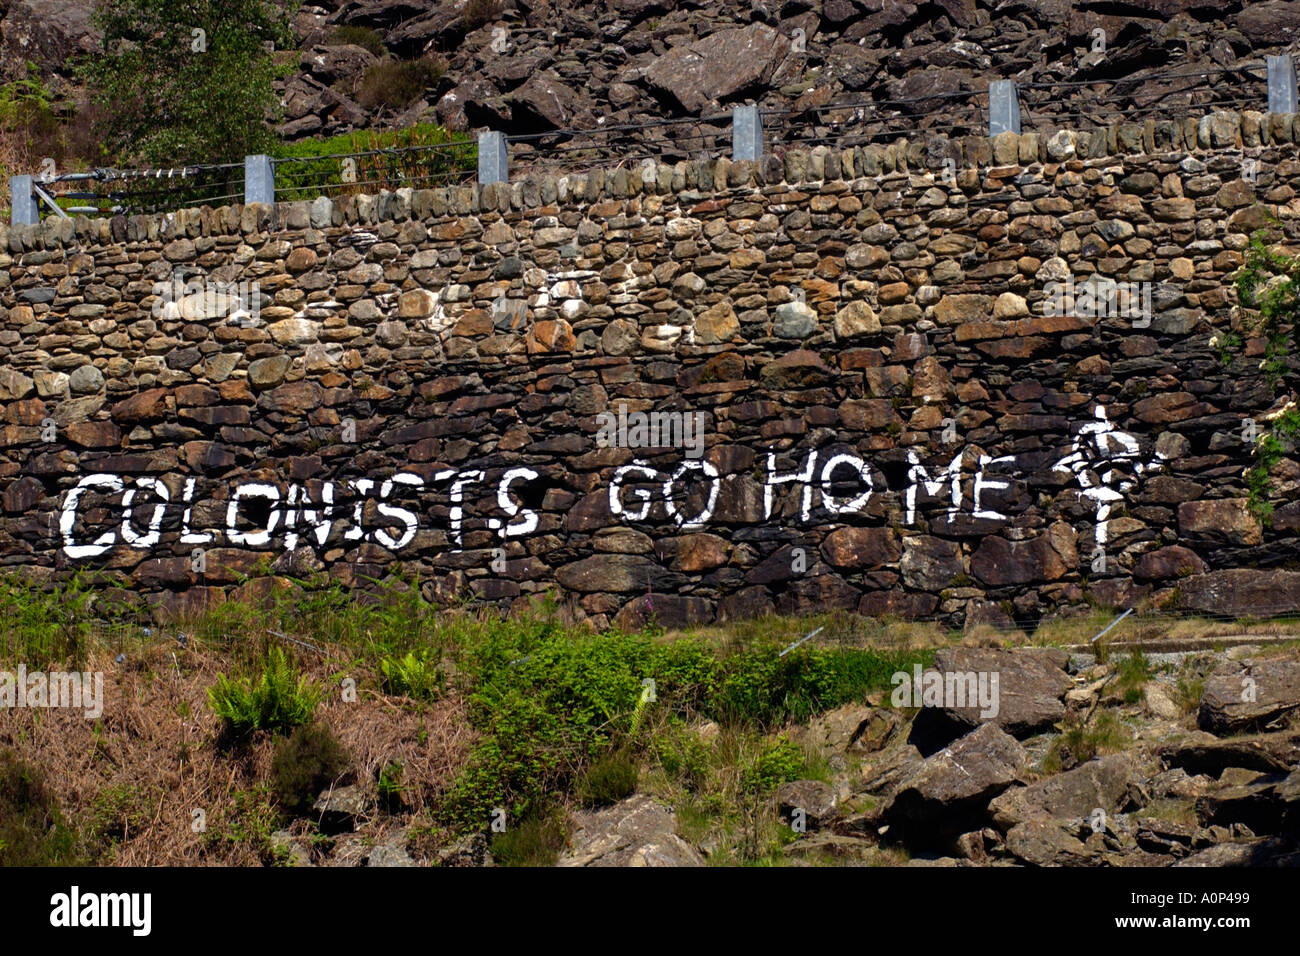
396 84
478 13
303 176
609 779
681 753
536 841
364 37
306 762
280 700
759 685
32 829
778 761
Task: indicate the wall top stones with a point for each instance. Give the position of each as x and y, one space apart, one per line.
935 155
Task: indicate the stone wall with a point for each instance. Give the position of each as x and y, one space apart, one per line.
908 405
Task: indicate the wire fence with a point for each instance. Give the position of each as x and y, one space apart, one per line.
1169 94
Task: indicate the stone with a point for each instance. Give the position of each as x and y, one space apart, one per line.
794 320
340 809
856 319
950 792
1031 684
812 802
715 325
635 832
1251 698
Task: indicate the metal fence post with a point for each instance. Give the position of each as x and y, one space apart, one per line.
1004 107
493 160
22 202
1281 85
259 180
746 133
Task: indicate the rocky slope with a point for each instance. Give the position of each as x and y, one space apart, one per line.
1173 781
532 66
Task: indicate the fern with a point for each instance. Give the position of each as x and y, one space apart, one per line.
280 700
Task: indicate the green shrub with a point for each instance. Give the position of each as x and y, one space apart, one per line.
116 812
396 84
610 778
279 700
303 176
390 786
415 675
306 762
681 753
32 829
364 37
536 841
759 685
777 762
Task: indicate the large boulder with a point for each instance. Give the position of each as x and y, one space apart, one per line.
636 832
1030 685
724 65
1250 698
950 793
1106 783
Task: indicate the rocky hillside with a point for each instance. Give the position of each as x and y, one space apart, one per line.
532 66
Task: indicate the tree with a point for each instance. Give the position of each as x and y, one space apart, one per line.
188 81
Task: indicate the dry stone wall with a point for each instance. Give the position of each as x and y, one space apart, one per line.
972 379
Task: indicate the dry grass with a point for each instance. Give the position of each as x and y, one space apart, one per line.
154 757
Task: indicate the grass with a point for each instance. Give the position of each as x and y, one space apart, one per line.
1132 673
1079 743
456 714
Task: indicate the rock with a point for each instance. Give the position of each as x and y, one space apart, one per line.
999 562
1258 694
86 380
1241 592
816 800
854 727
1252 799
549 103
855 319
340 809
1203 753
392 852
1105 783
715 325
701 75
1157 703
471 850
636 832
951 792
1030 687
290 848
1225 518
1043 841
1173 561
930 563
794 320
620 573
866 548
